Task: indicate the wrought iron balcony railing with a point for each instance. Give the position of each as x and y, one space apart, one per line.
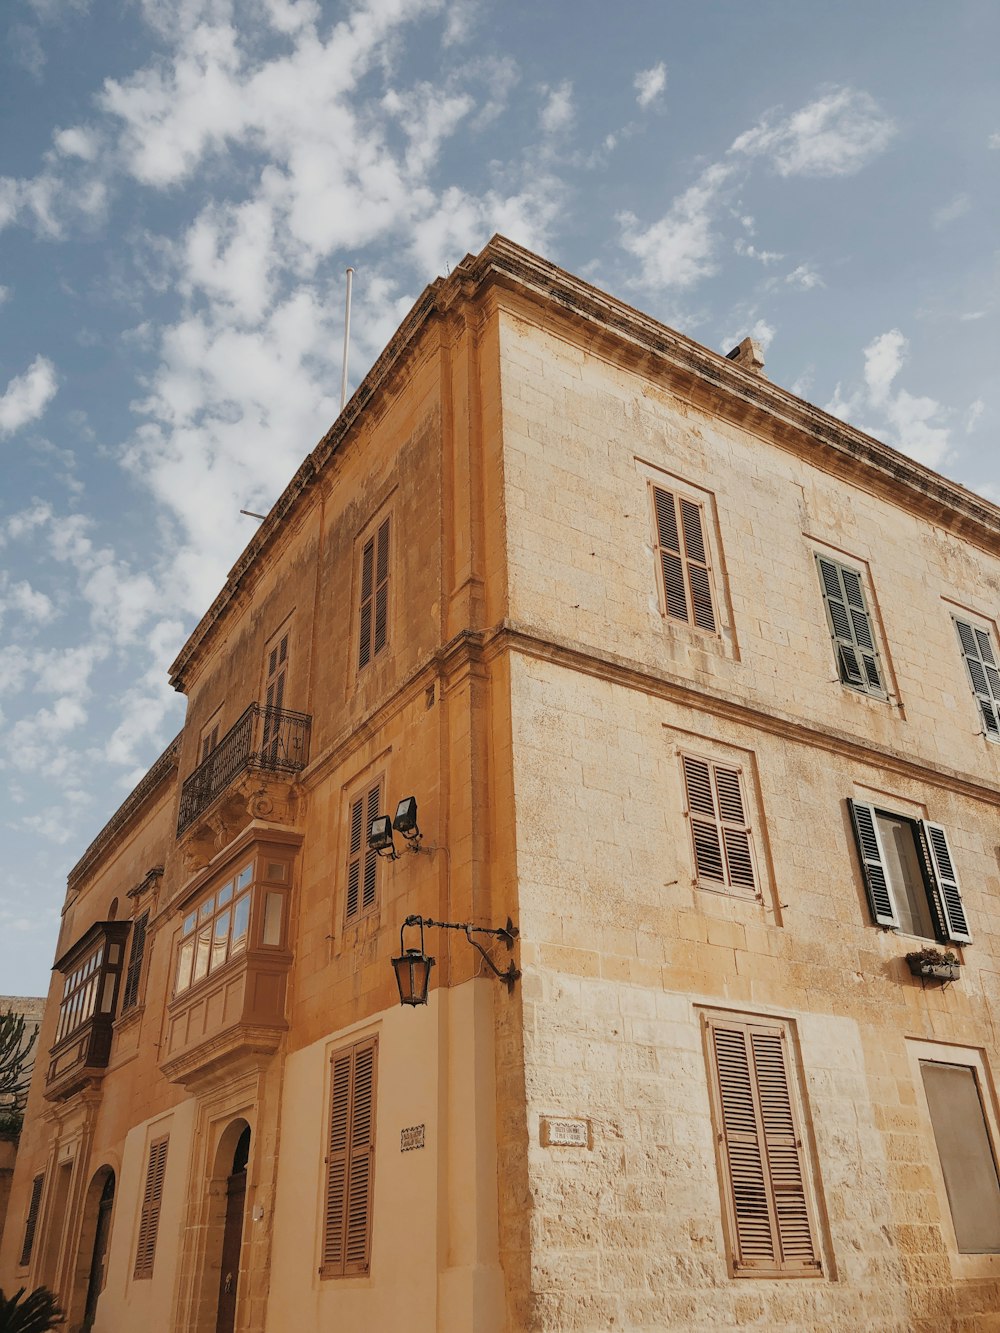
272 739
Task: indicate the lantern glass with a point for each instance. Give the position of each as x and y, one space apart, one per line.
380 833
413 974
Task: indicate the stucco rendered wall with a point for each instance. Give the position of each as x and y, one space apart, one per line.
434 1260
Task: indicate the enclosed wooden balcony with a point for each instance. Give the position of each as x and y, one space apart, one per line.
92 968
231 962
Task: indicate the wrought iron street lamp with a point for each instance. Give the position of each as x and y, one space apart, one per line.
413 966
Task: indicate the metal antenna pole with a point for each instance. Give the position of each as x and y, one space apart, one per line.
347 339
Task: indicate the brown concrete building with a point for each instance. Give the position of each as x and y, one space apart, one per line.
699 686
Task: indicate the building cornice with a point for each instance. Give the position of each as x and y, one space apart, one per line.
622 333
163 769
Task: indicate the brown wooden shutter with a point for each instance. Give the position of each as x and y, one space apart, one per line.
367 598
374 619
362 862
136 952
31 1221
684 566
381 626
764 1175
149 1218
719 827
350 1161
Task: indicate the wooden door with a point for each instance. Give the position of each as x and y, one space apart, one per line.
99 1259
232 1237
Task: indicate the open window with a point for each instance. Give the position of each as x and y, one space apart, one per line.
910 874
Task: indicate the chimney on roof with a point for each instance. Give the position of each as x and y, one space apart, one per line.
748 354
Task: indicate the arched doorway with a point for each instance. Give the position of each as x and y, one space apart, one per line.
232 1236
99 1254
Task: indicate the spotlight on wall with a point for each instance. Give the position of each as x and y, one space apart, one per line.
405 822
380 837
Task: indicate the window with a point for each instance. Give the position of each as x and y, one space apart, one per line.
92 971
362 862
31 1221
374 618
209 738
685 573
981 664
149 1217
276 673
350 1161
851 628
969 1168
762 1168
133 973
215 931
720 831
910 874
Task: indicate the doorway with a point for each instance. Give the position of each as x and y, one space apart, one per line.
232 1236
99 1256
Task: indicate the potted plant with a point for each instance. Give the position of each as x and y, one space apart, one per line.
937 964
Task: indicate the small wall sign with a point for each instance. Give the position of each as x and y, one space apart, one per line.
561 1133
410 1138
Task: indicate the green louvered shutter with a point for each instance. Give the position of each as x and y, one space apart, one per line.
872 865
851 627
981 663
951 909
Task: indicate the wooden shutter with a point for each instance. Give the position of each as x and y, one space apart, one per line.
761 1149
134 971
350 1161
950 907
981 664
149 1218
362 862
683 554
851 627
374 620
31 1221
719 828
880 897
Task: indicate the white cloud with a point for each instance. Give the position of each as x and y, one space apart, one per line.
27 396
883 362
679 250
836 135
649 84
994 140
804 277
557 113
29 602
951 212
77 141
974 415
916 425
750 251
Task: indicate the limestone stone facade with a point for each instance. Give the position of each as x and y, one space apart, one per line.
571 580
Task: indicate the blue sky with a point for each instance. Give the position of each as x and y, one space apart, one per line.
183 182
